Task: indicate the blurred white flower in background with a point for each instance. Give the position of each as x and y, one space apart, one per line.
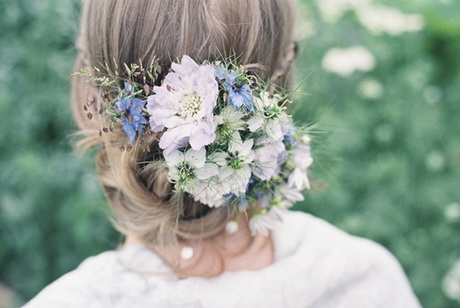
346 61
451 282
377 18
432 94
381 19
452 212
370 88
435 161
332 10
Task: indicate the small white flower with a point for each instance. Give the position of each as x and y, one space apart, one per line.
235 171
269 117
229 121
186 169
265 221
301 160
291 194
298 179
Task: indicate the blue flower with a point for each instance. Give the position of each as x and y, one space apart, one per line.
225 77
131 116
239 93
289 138
228 198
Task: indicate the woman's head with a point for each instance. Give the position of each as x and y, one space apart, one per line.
114 32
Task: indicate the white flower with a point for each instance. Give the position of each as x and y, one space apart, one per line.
210 192
291 194
301 160
345 62
265 221
229 121
186 169
235 171
298 179
268 157
269 117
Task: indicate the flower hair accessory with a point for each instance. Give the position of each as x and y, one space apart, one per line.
225 139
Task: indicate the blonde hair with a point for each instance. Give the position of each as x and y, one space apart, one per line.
126 31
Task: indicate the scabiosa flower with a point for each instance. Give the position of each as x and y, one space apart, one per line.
130 109
235 171
183 106
186 169
239 93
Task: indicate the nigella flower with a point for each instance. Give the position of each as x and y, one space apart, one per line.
210 192
186 169
183 106
270 117
239 93
235 171
229 121
131 116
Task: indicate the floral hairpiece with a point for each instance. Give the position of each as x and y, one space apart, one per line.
226 140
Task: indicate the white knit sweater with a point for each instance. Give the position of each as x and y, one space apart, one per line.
316 265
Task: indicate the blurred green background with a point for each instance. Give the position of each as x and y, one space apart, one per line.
381 80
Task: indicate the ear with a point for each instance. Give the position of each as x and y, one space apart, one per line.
289 54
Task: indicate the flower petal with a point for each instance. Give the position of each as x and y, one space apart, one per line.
196 158
255 122
207 171
174 158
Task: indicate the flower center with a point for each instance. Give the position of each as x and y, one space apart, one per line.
226 132
234 161
190 105
186 172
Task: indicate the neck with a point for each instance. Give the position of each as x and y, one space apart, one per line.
222 253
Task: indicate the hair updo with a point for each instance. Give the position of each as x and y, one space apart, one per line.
114 32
